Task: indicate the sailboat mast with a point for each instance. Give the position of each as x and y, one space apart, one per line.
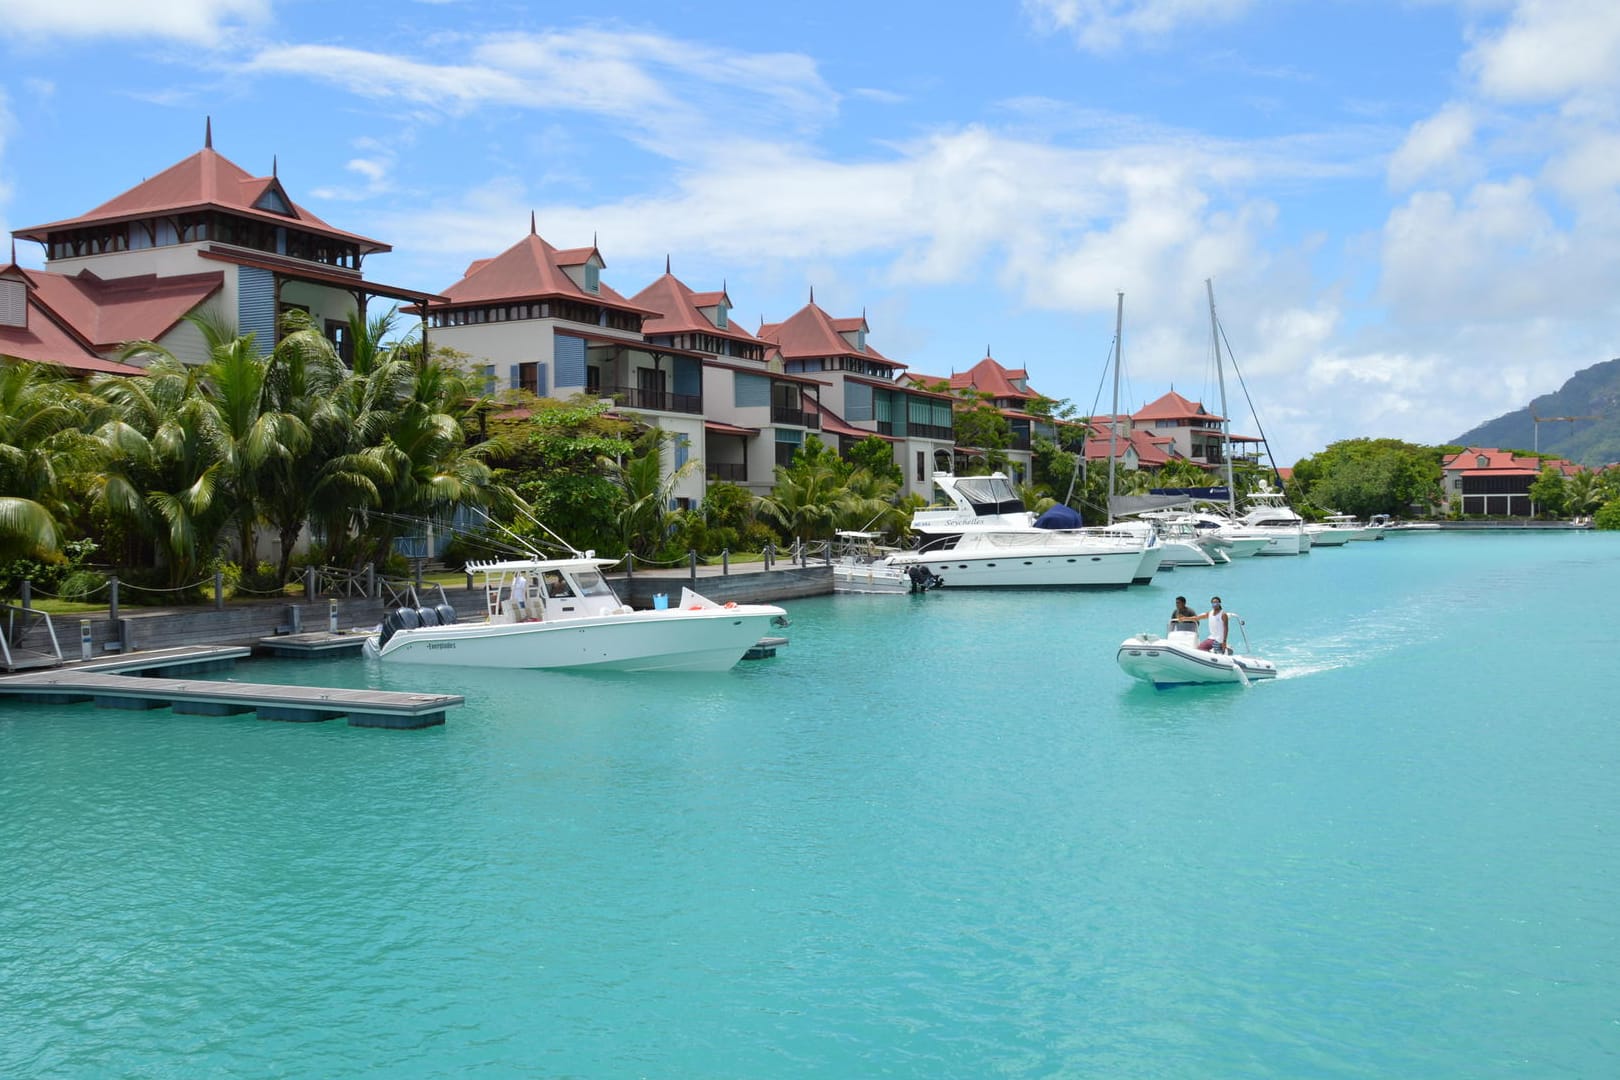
1220 377
1113 418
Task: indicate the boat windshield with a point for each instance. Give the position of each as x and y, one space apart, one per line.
989 495
591 583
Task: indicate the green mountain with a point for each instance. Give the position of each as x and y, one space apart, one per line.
1594 392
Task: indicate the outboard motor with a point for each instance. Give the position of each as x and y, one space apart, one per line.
396 620
922 578
428 616
447 614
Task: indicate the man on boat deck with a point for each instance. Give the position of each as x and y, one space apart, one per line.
1219 624
1184 617
520 596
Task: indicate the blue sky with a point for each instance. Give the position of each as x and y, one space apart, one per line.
1410 210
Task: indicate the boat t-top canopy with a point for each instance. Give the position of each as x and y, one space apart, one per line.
513 566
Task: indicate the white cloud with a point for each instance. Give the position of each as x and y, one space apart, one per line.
674 96
198 21
1102 25
1551 49
1437 145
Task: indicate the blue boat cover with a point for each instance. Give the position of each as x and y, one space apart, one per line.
1059 517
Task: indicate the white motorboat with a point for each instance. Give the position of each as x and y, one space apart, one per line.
571 618
986 538
859 566
1269 515
1176 660
1323 534
1178 535
1356 530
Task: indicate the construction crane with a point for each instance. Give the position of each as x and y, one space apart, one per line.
1537 421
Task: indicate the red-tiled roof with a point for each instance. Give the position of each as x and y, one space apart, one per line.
144 307
678 311
728 429
532 269
1151 450
833 424
205 180
1172 406
1503 463
48 339
811 332
989 377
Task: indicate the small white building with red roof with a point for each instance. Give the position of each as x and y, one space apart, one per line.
1492 482
201 233
864 394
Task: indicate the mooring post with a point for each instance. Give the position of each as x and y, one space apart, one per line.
692 555
27 595
309 583
725 562
371 581
219 590
767 554
112 598
630 565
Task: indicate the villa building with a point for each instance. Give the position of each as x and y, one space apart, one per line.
1494 482
1195 433
863 392
1007 391
201 234
754 417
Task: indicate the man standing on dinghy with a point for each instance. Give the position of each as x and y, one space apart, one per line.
1219 625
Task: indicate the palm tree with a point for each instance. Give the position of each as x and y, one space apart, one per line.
40 450
644 517
804 502
868 503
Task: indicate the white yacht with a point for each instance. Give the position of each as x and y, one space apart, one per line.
1269 515
985 537
566 615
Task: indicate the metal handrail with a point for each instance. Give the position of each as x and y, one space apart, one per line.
14 634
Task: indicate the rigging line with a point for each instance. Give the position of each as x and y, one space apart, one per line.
1252 411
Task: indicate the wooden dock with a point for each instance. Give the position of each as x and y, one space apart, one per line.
110 684
318 643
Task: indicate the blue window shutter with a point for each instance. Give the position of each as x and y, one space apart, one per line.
683 450
687 377
540 385
517 380
256 306
751 390
858 402
570 356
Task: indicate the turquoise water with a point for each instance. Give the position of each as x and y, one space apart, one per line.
937 836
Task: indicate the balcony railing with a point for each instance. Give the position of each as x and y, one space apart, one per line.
723 470
634 397
781 414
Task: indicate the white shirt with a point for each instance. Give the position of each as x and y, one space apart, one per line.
520 590
1218 625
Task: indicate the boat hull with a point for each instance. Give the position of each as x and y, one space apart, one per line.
1165 663
870 578
1014 570
706 639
